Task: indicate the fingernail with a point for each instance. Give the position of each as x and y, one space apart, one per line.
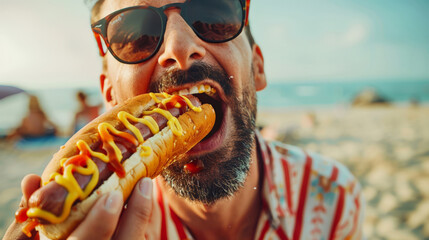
113 202
145 188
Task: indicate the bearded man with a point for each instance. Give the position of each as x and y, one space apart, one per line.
233 184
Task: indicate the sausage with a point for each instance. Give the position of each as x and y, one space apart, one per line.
112 153
52 197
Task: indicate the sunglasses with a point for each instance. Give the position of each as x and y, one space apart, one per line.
135 34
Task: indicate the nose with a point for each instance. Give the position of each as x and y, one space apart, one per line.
181 46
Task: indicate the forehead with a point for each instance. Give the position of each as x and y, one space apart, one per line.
110 6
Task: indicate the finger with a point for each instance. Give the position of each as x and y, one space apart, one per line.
101 221
134 219
29 184
15 232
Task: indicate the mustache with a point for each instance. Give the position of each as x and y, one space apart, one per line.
196 73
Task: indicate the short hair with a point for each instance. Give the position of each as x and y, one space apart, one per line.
95 12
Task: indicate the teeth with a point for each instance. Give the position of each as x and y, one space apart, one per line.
208 88
193 90
196 89
184 92
201 89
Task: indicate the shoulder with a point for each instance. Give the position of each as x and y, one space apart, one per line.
318 188
310 162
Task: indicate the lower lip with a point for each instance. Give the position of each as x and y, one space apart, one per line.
215 141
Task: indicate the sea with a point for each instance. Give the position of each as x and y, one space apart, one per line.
60 104
293 95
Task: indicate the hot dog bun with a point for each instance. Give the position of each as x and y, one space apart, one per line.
166 146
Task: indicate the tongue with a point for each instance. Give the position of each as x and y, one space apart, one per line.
217 105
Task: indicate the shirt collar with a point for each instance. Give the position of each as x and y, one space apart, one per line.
270 196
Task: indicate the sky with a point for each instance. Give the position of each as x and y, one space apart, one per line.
49 44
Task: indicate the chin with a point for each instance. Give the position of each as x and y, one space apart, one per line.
217 167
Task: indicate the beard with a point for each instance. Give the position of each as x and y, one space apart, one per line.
226 169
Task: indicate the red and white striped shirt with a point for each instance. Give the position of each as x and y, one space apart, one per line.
305 196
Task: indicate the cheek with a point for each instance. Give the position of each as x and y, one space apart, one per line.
238 65
128 80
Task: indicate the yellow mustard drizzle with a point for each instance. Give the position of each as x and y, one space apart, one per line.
146 151
148 121
68 181
191 106
103 130
172 122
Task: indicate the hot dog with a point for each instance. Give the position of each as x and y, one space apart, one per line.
136 139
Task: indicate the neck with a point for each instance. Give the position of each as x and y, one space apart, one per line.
232 218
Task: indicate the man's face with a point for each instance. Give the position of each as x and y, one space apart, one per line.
183 61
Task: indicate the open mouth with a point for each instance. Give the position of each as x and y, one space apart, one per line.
214 96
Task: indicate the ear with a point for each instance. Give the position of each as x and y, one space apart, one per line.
107 91
258 68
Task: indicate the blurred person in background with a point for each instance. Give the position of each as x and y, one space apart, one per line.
243 187
86 112
35 124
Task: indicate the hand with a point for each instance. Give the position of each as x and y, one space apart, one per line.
29 184
105 216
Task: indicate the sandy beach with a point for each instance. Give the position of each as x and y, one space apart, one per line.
387 149
15 163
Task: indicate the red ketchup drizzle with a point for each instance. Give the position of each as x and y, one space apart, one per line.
21 214
78 160
114 163
194 166
174 100
21 217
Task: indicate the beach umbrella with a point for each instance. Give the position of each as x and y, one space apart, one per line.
6 91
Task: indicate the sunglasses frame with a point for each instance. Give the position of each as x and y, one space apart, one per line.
99 28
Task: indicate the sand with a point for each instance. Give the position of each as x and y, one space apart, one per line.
15 163
386 148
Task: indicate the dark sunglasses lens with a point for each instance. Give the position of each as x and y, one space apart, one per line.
214 20
134 35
